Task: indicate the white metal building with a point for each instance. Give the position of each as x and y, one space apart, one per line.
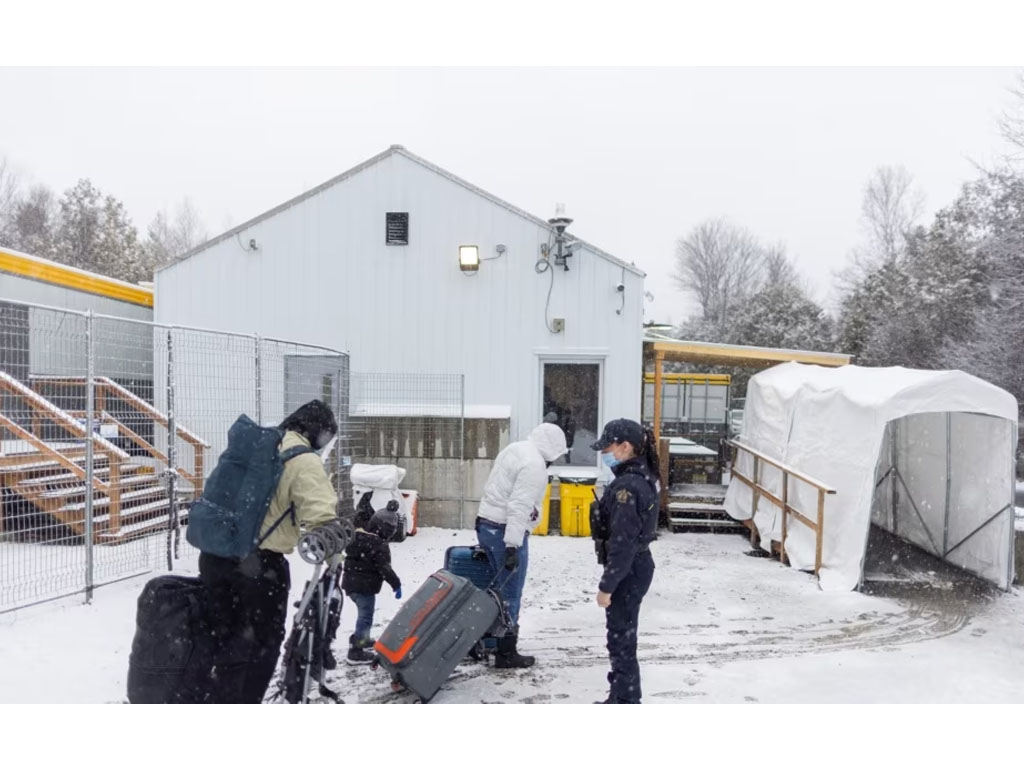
369 262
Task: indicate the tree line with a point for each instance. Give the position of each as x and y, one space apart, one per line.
90 230
944 294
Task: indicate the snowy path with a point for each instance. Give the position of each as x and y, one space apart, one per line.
717 626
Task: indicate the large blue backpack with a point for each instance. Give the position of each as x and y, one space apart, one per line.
226 520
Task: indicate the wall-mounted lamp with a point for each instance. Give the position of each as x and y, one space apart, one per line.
469 258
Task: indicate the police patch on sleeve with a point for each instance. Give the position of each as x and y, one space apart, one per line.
623 496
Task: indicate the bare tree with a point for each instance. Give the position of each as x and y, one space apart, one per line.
35 221
721 264
1011 123
170 239
778 269
10 187
890 207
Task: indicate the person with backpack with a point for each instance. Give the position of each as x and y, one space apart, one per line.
624 523
367 567
508 512
247 599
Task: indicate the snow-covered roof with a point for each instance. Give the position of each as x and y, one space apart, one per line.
436 410
397 149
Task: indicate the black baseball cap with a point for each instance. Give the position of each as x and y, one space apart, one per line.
620 431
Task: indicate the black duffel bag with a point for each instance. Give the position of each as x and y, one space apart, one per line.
166 643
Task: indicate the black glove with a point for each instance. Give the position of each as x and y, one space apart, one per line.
511 558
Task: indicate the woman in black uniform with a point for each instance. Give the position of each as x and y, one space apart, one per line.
625 522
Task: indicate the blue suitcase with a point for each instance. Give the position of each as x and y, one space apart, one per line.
470 562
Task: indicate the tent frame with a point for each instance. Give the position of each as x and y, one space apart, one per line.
946 550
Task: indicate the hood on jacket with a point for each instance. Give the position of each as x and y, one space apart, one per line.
549 439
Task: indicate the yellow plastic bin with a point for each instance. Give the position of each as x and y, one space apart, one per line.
576 495
545 513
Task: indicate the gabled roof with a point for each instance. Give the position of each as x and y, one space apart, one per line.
397 149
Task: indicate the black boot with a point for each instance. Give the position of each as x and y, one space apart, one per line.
356 653
330 661
508 657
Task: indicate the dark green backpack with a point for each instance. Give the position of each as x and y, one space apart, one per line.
227 518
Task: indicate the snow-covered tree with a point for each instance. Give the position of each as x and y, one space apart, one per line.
96 234
990 219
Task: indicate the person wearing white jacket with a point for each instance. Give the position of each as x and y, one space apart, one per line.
508 512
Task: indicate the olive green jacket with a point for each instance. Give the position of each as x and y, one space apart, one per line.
304 484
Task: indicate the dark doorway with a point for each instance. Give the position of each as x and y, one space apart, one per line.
572 392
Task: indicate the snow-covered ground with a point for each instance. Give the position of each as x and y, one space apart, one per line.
717 626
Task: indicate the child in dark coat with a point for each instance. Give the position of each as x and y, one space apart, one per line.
367 567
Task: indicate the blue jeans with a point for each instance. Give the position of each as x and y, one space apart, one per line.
492 538
364 620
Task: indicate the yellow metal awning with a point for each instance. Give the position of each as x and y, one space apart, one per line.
661 351
705 353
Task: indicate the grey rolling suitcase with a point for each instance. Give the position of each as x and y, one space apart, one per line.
433 632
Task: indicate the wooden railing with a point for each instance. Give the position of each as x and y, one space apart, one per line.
817 525
42 409
107 388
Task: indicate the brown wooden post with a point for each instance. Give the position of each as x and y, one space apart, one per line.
663 460
199 453
757 495
659 362
819 531
785 514
115 493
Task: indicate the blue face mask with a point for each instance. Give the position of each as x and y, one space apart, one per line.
609 460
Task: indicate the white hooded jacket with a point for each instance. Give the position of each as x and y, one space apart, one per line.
515 487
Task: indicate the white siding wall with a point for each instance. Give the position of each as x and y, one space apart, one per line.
324 275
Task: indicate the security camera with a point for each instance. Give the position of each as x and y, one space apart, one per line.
620 287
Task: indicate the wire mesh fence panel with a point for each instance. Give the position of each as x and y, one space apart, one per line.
415 421
44 473
291 375
77 513
205 381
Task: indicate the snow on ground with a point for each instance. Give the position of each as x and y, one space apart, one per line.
717 626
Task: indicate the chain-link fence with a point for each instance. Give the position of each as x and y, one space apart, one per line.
79 512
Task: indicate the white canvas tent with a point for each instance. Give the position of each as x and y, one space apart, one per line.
926 455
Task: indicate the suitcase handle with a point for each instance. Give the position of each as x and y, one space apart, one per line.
452 646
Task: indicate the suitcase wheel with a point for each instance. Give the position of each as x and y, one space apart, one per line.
396 686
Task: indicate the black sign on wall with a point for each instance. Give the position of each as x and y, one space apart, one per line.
397 226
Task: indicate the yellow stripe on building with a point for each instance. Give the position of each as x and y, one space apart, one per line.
46 271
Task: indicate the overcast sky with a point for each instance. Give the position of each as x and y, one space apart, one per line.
638 156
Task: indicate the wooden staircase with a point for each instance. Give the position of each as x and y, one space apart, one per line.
694 507
130 494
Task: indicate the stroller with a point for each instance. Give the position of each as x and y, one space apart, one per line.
316 620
